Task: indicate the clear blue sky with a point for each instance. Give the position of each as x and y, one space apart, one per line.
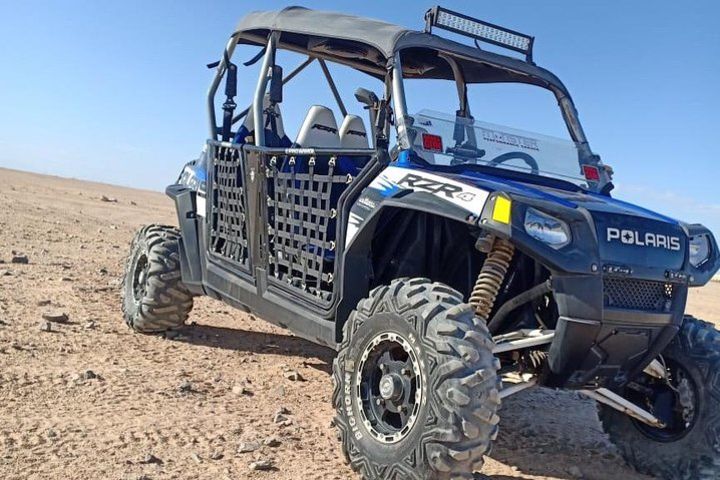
115 91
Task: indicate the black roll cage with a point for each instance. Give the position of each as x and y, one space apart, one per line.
393 94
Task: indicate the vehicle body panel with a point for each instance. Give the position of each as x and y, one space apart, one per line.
602 338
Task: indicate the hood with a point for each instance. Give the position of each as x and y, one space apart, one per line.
626 234
593 202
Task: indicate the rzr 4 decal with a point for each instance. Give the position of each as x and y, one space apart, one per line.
433 186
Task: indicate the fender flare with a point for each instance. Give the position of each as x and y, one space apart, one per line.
355 256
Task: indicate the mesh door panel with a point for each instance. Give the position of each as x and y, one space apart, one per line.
228 229
302 213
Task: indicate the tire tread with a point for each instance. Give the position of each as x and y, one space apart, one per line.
167 303
463 373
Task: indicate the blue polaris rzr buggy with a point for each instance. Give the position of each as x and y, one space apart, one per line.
449 261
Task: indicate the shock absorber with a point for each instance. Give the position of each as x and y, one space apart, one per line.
492 275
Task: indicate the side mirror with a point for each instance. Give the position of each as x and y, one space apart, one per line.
377 110
366 97
276 85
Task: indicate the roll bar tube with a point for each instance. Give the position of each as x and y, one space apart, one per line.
289 77
221 68
263 77
399 104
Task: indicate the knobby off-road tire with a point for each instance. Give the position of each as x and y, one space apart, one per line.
457 417
154 297
696 454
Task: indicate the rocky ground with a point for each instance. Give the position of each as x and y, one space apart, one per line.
231 397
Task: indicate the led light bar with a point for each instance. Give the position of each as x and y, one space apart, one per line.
483 31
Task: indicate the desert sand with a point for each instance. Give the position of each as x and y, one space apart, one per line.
91 400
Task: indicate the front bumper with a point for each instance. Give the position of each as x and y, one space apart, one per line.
619 305
610 328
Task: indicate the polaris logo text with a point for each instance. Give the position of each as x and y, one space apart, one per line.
633 237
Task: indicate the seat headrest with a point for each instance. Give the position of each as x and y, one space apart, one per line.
249 122
353 133
319 129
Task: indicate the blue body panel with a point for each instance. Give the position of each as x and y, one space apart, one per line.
538 189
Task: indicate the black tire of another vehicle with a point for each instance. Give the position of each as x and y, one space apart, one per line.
154 297
456 419
696 455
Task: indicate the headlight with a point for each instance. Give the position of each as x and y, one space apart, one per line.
547 229
699 250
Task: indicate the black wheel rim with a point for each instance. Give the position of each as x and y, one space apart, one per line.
140 272
675 402
389 387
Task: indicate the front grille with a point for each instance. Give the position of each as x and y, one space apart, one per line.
642 295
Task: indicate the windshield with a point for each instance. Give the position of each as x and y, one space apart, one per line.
446 140
504 125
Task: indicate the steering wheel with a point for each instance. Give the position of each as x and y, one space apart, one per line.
463 153
506 157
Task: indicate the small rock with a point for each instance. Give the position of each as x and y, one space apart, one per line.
21 259
57 317
50 433
280 418
196 458
90 325
46 327
294 376
247 447
151 459
185 387
575 472
175 335
66 279
262 465
44 302
103 271
240 390
133 203
86 375
5 273
216 455
271 442
108 199
282 411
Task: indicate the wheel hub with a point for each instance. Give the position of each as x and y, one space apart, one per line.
674 401
140 272
389 387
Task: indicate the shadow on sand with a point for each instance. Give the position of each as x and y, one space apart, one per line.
529 454
317 356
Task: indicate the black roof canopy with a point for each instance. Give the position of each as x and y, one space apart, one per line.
370 45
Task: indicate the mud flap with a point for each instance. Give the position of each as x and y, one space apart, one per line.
190 265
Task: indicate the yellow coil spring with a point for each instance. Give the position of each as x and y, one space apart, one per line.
491 277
